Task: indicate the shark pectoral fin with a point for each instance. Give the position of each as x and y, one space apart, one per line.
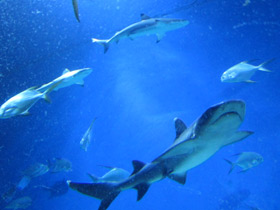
141 189
178 177
159 37
137 165
93 178
145 17
80 82
105 203
65 71
180 127
238 136
250 81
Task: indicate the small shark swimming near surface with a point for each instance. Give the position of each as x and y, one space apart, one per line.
147 26
242 72
215 128
68 78
22 102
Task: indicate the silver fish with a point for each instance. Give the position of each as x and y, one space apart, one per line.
60 165
85 141
114 175
242 72
246 160
20 203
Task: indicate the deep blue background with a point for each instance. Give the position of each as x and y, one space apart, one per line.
136 90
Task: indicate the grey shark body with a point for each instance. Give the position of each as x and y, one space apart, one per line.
216 128
147 26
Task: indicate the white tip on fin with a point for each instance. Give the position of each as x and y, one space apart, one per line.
250 81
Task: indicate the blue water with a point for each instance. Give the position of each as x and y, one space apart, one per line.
135 91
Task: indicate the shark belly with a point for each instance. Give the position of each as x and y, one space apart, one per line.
190 161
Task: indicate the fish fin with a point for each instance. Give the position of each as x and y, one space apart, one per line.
159 37
25 113
24 182
180 127
145 17
141 190
46 93
105 203
130 38
232 165
261 66
104 43
249 61
103 191
178 177
137 165
76 9
250 81
65 71
80 82
93 177
238 136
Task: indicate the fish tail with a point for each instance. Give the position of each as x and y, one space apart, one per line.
94 178
106 192
50 89
24 182
104 43
232 165
261 66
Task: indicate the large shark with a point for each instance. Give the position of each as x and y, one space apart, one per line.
68 78
146 26
215 128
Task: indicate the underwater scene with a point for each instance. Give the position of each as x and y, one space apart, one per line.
129 105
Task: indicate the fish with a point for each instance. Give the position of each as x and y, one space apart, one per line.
20 203
59 165
76 9
242 72
114 175
59 188
216 128
22 102
32 171
85 141
8 195
245 160
68 78
146 26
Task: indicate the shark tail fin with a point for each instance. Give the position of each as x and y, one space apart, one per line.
261 66
232 165
104 43
106 191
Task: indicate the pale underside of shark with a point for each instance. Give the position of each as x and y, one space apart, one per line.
215 128
147 26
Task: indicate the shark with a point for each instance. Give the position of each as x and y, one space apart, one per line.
68 78
216 128
147 26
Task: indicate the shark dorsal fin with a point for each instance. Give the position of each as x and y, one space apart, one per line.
141 189
65 71
145 17
137 165
180 127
